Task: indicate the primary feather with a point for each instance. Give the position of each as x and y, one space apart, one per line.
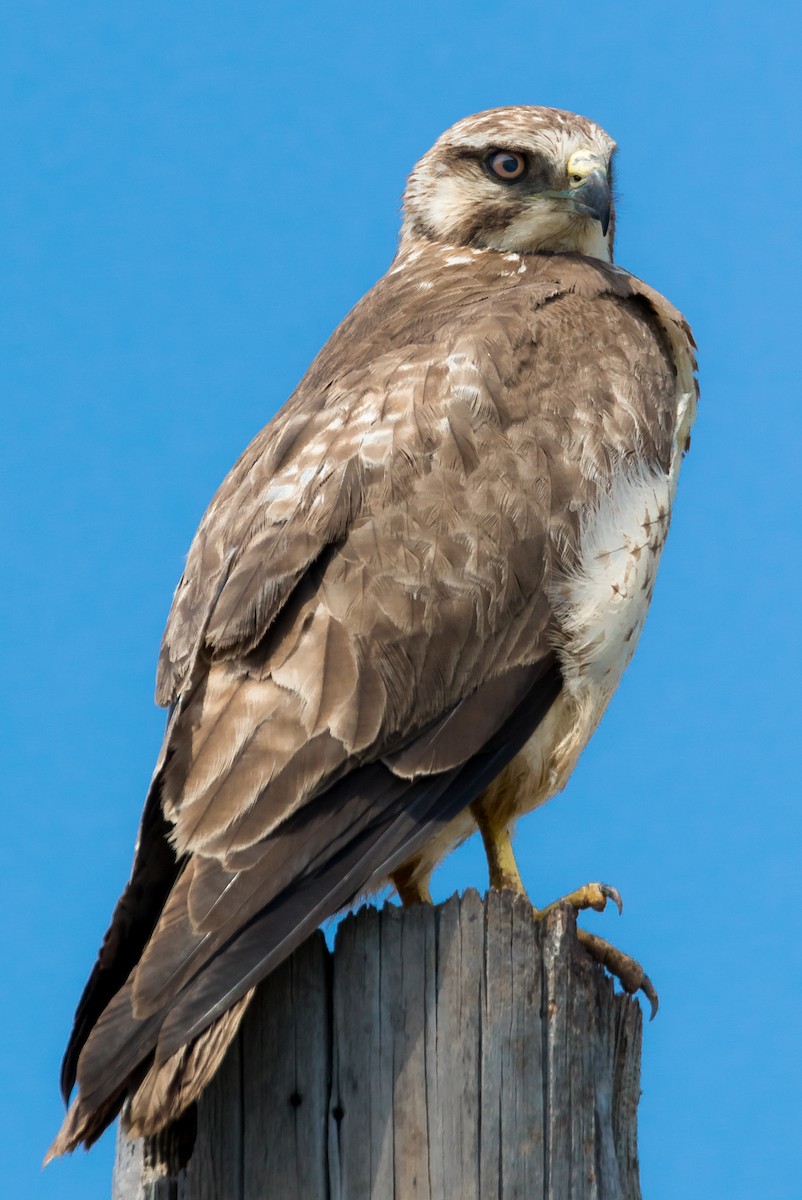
408 592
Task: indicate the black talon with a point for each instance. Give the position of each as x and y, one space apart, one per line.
613 894
648 989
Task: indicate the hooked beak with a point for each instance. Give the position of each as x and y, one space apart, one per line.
594 198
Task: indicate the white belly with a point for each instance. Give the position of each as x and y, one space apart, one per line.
601 608
602 605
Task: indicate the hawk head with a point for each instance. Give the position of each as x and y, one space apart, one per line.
521 179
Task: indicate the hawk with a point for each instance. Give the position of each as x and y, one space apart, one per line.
406 608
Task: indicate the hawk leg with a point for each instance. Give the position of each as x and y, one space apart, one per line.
504 875
501 865
411 885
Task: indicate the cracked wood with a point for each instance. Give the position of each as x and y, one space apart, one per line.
457 1052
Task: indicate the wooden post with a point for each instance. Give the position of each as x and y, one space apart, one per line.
457 1052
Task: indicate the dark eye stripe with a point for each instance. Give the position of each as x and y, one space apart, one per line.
506 165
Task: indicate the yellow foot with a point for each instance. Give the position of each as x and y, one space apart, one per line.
628 971
590 895
504 876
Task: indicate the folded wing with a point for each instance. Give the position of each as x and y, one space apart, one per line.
359 644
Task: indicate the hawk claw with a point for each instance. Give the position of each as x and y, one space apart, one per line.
611 893
590 895
627 970
504 876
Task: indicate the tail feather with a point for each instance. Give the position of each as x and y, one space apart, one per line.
349 840
84 1123
170 1087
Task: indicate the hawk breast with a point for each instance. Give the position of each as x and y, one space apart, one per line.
603 602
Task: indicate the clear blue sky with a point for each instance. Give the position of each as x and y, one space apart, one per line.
194 194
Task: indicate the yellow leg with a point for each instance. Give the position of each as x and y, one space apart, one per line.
501 864
412 888
505 876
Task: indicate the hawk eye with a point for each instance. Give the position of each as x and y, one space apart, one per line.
506 165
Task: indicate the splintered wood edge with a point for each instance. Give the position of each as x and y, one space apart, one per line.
577 997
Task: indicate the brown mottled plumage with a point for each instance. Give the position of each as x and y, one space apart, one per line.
406 607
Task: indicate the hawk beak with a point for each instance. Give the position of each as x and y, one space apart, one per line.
594 198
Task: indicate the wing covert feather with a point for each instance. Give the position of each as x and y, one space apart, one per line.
364 630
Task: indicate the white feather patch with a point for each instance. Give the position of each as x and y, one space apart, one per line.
603 603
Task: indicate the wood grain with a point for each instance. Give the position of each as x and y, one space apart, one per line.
457 1052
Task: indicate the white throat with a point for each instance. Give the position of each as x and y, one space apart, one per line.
545 229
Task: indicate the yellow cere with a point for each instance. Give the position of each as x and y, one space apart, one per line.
581 163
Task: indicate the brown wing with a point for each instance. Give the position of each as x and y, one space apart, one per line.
361 641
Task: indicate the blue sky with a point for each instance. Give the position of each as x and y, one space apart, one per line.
194 195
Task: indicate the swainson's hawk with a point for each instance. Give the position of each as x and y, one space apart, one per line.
407 606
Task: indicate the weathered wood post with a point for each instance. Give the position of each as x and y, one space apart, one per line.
461 1052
